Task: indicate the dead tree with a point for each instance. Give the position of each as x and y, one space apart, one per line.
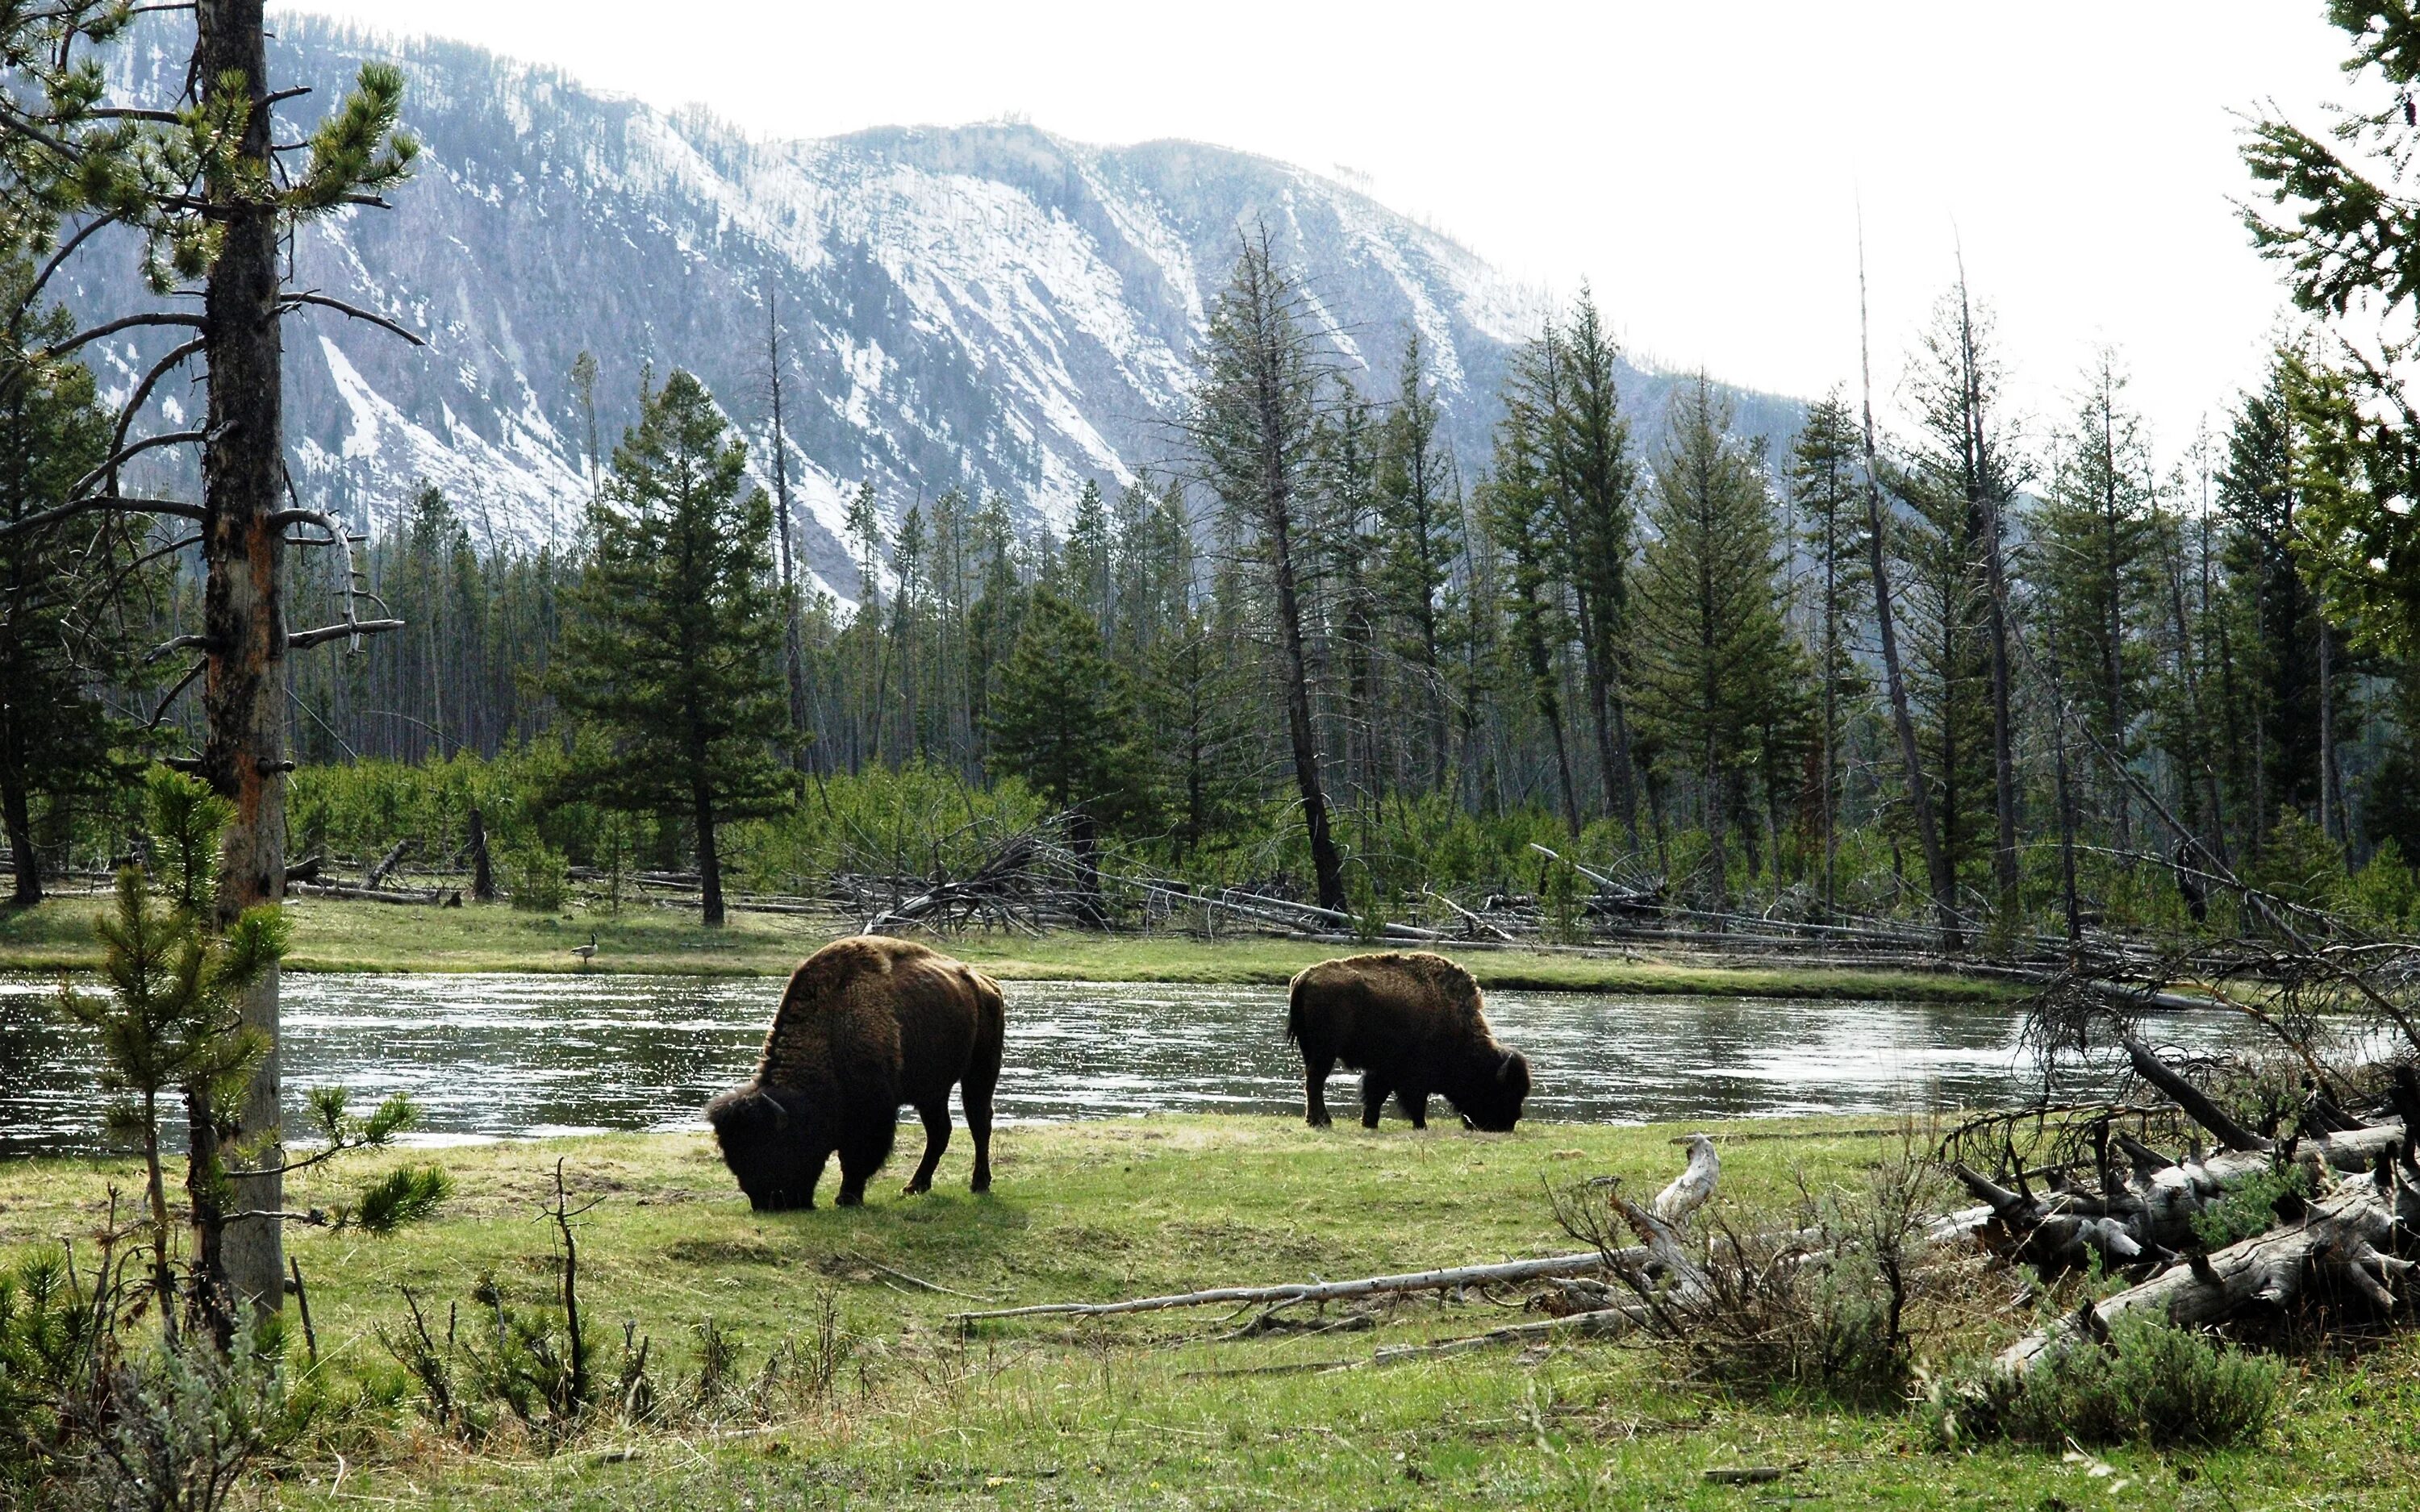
213 194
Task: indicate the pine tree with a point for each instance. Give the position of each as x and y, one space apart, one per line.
1713 663
1255 418
1418 538
58 646
1520 509
1595 476
672 654
2094 573
1824 485
2272 675
1063 720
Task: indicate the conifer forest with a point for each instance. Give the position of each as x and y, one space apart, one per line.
519 605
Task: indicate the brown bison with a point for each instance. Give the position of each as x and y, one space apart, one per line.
866 1025
1412 1023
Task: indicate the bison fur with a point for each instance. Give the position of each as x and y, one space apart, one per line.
867 1024
1413 1025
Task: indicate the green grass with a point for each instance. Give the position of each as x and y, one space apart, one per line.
1148 1410
333 935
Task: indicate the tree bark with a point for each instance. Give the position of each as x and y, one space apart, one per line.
709 859
16 810
483 873
243 751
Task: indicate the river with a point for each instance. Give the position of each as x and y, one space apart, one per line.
505 1056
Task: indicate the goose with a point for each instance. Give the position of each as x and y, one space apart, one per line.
584 952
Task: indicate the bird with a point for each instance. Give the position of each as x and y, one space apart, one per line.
1695 1184
584 952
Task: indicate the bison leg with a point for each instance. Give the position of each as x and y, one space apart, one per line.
1373 1098
937 1139
1315 1068
1416 1104
862 1151
977 1098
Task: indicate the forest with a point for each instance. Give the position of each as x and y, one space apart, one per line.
2116 735
2104 664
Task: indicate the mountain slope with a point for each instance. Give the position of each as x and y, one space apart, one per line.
990 307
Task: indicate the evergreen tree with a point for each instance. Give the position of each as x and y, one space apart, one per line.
1255 415
1595 476
58 595
1824 485
1419 536
1064 722
1713 663
1520 509
2096 538
673 654
2271 677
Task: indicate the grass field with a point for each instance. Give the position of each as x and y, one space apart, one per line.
333 935
1153 1411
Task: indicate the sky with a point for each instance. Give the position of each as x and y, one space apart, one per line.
1704 168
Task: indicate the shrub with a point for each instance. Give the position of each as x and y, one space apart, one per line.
2152 1383
540 880
2248 1208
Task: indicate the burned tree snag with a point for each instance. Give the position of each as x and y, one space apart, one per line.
243 696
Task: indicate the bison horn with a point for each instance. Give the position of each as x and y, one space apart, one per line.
1504 1067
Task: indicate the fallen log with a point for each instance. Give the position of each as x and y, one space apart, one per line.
386 864
1438 1280
2148 1216
2339 1248
424 898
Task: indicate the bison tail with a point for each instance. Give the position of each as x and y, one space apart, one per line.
1296 1021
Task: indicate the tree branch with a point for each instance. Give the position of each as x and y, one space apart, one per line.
127 322
182 683
292 301
106 502
126 453
302 639
142 393
34 292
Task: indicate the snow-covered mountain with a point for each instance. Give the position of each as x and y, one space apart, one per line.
988 307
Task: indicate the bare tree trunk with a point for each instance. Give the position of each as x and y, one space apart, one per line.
794 661
709 859
16 809
1919 794
1983 516
243 703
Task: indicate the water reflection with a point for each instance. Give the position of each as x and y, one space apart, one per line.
490 1055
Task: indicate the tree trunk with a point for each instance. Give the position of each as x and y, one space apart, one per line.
709 860
16 810
483 875
243 703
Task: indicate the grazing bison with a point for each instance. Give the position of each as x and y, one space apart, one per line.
1412 1025
866 1025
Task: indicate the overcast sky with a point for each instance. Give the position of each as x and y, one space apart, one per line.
1699 164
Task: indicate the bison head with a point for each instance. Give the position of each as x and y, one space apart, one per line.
764 1133
1492 1100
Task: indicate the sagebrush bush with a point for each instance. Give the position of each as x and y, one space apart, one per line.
2152 1383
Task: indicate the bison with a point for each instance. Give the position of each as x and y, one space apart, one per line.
866 1025
1412 1023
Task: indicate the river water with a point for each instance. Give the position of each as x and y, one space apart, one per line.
503 1055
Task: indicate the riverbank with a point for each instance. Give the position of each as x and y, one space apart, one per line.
1157 1410
337 935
